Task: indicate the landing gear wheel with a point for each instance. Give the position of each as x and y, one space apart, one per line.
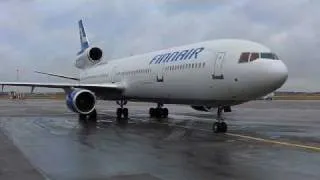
119 113
152 112
165 112
125 113
219 127
122 115
227 109
158 112
215 127
223 127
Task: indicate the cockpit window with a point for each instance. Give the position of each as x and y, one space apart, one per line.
251 56
244 57
269 56
254 56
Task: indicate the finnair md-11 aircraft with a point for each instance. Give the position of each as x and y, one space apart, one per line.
212 74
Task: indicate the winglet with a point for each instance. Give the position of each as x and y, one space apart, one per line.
83 37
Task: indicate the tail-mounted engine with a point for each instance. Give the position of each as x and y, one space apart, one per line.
81 101
89 57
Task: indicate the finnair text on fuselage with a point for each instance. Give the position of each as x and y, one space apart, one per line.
177 56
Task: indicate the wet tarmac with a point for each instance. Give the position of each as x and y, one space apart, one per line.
266 140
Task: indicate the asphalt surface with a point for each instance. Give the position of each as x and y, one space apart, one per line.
41 139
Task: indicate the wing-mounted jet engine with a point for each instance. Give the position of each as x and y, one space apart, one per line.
83 102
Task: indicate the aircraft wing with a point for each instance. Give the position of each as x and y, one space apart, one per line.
67 86
58 75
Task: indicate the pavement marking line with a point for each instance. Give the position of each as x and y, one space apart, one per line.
314 148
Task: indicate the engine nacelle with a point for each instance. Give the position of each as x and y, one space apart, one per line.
202 108
81 101
89 57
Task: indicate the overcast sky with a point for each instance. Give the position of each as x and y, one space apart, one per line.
43 34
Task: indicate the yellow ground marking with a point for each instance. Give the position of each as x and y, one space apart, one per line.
313 148
308 147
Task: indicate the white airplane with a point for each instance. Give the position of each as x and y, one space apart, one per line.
212 74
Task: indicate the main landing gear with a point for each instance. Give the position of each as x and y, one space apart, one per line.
122 113
89 117
159 112
220 126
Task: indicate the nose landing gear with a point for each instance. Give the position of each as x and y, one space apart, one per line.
220 126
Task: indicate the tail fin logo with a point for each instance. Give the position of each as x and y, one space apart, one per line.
83 37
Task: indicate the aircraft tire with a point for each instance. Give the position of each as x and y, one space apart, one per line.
223 127
152 112
125 113
158 112
119 113
215 127
227 109
165 112
219 127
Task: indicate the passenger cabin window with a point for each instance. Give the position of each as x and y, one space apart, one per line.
244 57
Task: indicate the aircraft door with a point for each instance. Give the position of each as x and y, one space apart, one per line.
114 77
159 72
218 66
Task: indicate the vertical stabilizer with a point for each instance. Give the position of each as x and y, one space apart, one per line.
83 37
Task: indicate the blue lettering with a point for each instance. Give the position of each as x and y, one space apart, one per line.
163 58
195 53
187 55
182 55
154 59
168 57
177 55
159 59
174 56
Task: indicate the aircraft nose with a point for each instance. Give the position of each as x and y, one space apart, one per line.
279 73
